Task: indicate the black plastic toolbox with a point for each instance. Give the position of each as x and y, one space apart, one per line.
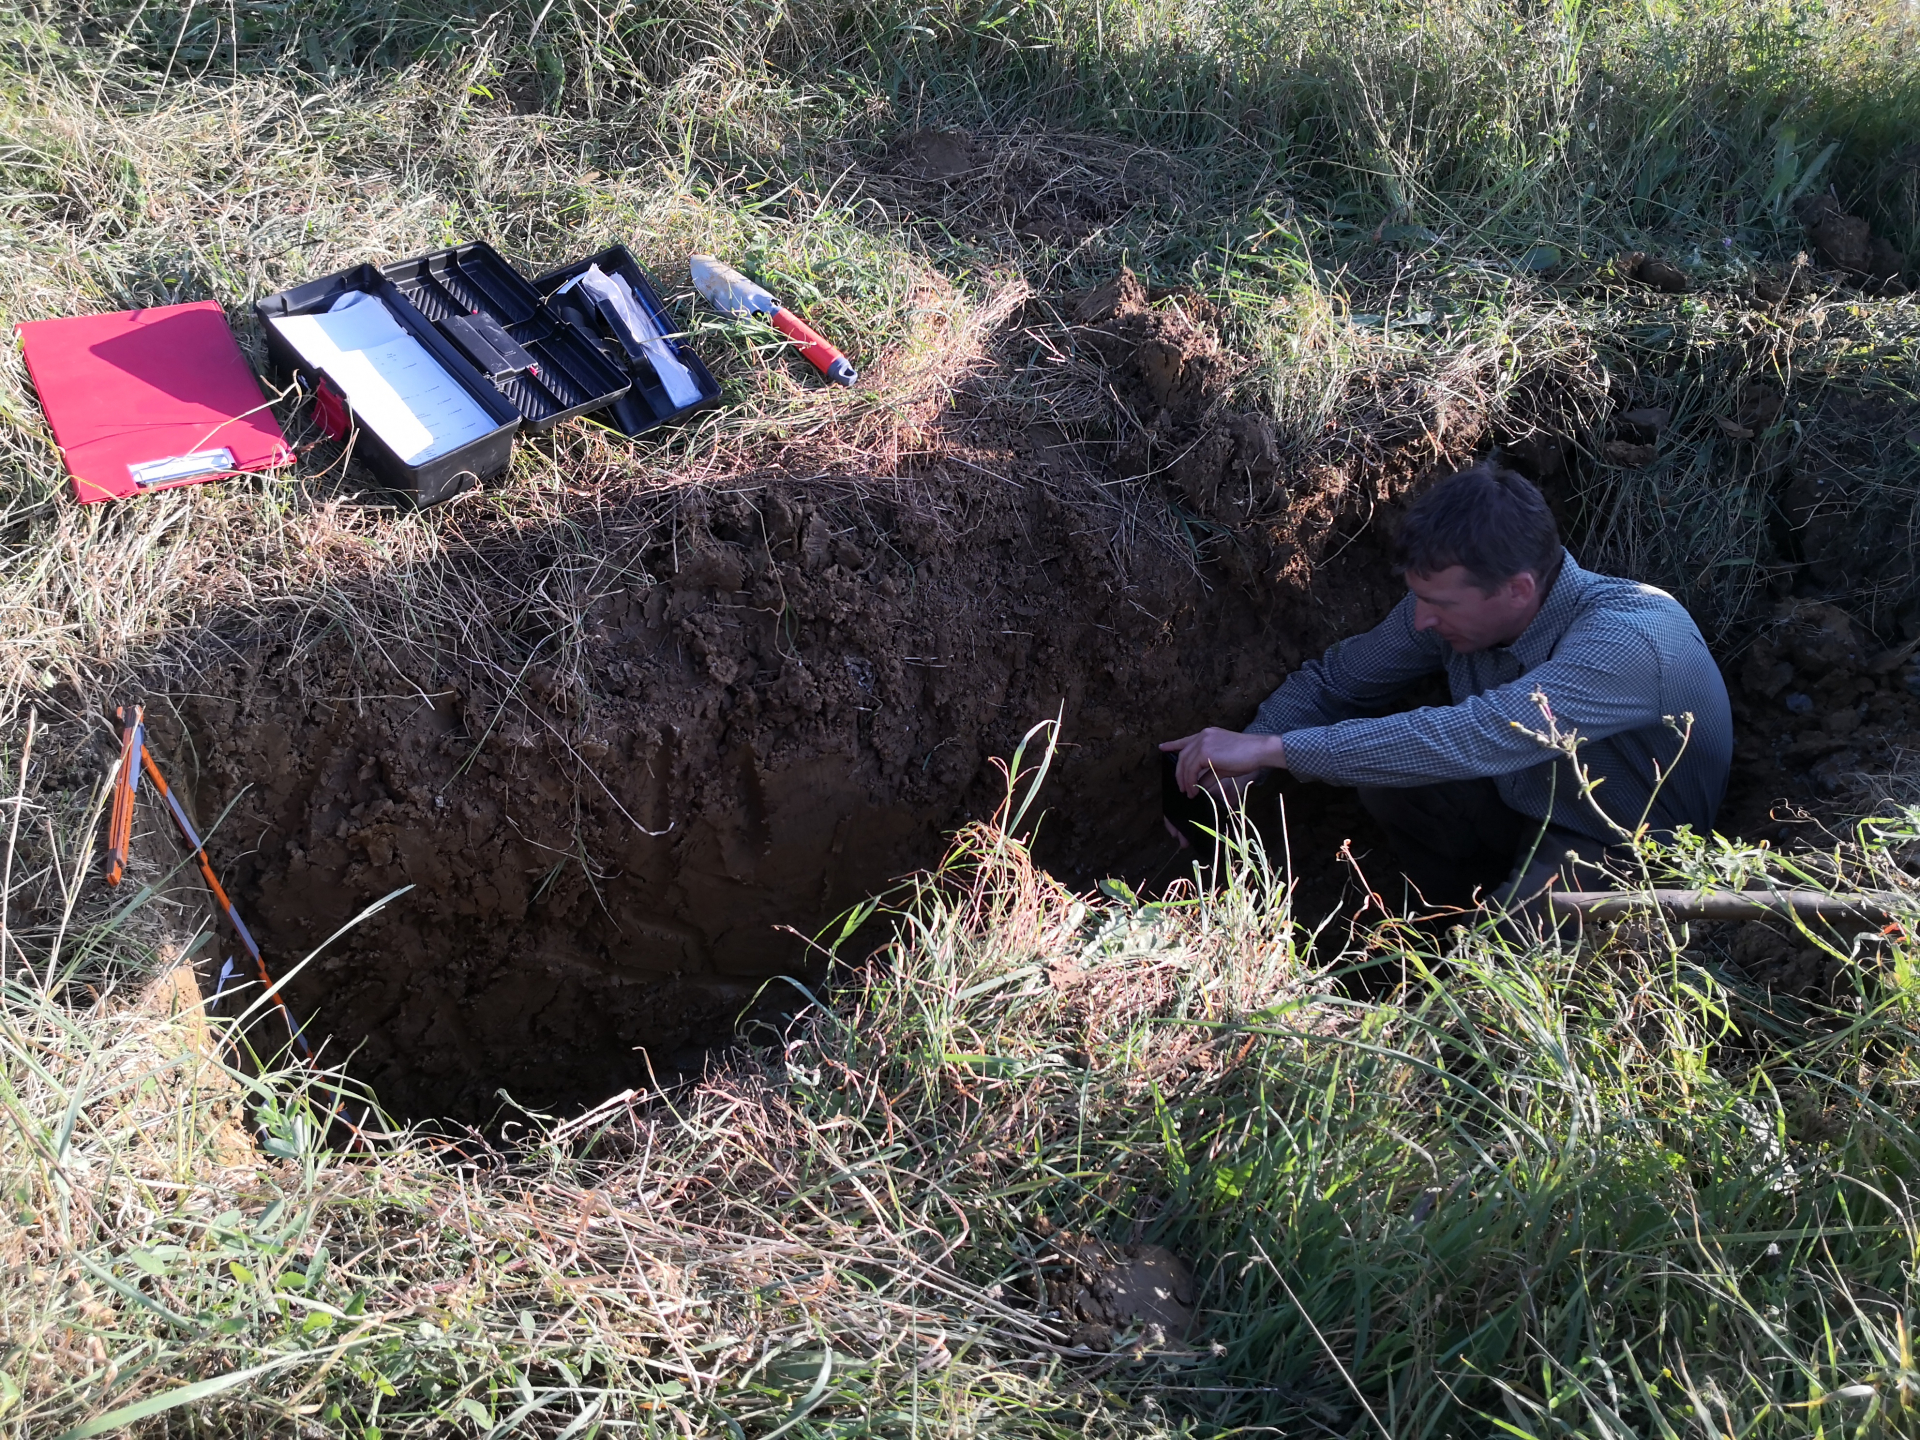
559 372
646 406
432 480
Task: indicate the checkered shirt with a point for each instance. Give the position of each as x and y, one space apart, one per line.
1614 659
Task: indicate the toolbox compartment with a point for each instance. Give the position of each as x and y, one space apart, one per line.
433 480
462 288
646 405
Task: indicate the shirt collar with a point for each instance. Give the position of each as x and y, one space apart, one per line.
1537 641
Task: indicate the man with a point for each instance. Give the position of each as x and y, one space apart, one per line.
1476 801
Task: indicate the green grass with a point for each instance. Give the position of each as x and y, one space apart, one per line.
1607 1190
1600 1192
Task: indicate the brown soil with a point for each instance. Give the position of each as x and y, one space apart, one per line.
1848 244
1653 272
1818 709
793 698
1139 1296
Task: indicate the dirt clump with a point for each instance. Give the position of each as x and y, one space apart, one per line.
1633 437
1847 243
1177 380
1110 1295
934 156
1653 272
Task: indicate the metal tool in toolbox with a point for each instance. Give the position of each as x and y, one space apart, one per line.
727 289
485 341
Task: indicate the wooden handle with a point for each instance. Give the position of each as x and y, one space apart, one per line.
1868 905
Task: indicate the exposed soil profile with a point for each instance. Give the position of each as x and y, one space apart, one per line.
797 710
791 693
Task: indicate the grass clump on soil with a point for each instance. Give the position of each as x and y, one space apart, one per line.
1601 1190
1609 1190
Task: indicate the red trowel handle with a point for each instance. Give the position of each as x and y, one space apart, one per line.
827 360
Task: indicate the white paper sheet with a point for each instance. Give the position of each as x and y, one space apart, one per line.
675 378
395 386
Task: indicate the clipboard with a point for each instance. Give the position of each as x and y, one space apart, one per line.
150 399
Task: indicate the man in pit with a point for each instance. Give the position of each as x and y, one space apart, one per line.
1476 802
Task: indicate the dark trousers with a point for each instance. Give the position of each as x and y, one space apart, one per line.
1458 843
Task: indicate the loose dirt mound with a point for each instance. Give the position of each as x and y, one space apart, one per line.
1107 1294
790 698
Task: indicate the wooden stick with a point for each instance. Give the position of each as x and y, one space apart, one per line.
1869 905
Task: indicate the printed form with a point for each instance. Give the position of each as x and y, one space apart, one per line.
395 386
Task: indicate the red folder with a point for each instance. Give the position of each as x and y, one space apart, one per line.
150 399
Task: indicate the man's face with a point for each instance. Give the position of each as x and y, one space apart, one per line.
1465 616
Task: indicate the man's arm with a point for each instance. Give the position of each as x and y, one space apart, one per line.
1353 677
1211 756
1598 684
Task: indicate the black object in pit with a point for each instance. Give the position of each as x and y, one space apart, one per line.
433 480
1199 817
564 374
646 406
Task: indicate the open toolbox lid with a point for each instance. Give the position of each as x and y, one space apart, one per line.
549 369
648 404
431 480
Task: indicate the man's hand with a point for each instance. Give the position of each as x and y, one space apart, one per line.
1216 755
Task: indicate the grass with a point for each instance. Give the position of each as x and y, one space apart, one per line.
1602 1190
1610 1190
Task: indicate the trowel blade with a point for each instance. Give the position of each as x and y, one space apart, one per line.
725 288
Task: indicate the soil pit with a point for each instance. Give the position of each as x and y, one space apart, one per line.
613 827
620 812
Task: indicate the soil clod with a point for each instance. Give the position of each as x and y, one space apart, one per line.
1847 243
1653 272
1110 1294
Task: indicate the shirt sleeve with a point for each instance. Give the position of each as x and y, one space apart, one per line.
1603 678
1354 676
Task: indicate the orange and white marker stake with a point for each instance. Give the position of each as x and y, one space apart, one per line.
126 781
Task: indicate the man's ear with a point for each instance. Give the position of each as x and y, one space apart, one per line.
1523 587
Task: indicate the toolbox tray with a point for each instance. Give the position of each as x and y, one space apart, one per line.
646 406
573 377
432 480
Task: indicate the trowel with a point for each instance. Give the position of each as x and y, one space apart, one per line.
725 288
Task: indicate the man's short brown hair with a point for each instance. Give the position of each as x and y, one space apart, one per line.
1490 519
